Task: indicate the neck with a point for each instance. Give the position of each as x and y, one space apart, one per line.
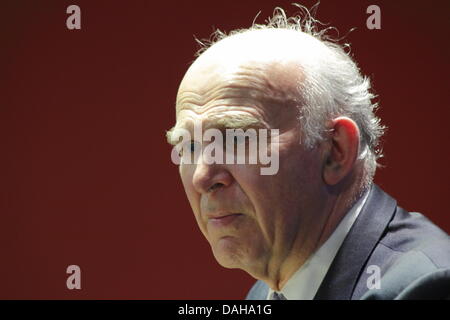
335 207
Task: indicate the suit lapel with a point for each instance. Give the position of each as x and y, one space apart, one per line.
367 230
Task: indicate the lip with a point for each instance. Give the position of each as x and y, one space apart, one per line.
224 220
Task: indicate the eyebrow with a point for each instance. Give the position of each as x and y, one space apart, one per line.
221 122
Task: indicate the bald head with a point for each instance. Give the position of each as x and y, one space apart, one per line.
262 68
265 45
271 59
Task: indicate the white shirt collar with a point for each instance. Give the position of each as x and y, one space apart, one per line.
305 282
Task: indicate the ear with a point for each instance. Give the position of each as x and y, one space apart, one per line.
343 151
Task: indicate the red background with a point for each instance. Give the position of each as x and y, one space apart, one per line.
86 176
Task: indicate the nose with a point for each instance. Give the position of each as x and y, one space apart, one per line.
210 177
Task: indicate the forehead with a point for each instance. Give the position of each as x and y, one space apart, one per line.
257 74
253 93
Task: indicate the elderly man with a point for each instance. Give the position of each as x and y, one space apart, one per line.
317 228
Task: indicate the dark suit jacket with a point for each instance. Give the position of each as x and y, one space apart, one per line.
413 256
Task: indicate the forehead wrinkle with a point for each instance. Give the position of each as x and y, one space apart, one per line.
247 86
236 120
199 98
233 90
263 86
229 120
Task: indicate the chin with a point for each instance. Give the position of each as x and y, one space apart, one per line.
228 253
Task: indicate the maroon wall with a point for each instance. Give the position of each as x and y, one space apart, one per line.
85 173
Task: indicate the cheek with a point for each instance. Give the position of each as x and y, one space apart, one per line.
257 192
247 181
194 198
274 197
186 178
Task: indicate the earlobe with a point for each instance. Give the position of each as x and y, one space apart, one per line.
343 150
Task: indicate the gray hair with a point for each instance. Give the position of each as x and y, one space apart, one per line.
326 93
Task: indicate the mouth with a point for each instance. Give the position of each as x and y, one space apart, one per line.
224 220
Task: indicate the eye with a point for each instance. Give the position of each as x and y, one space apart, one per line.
234 139
188 147
192 146
180 151
238 139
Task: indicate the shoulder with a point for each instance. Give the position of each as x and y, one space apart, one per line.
401 284
413 257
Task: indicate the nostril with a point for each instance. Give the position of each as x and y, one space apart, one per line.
215 186
208 179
